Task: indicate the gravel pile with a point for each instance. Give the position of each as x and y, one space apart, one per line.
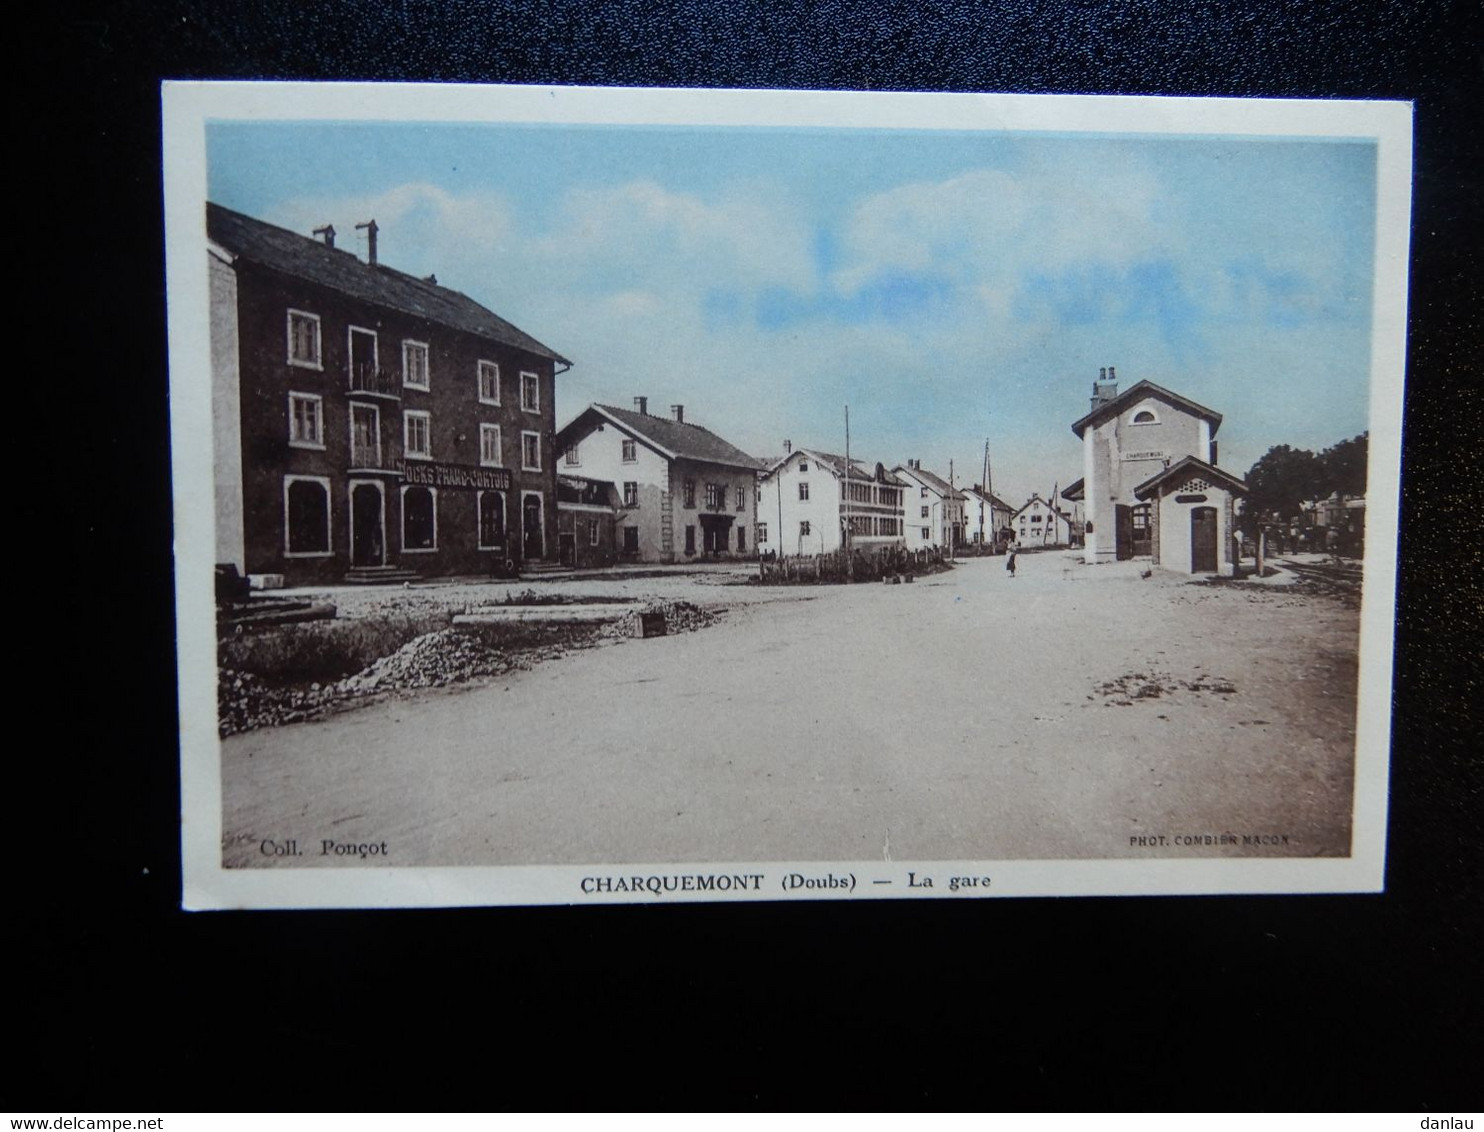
448 656
680 617
245 701
429 661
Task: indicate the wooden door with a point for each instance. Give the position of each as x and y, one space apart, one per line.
1203 540
1123 532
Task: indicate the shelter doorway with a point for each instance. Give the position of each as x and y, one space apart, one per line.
1203 540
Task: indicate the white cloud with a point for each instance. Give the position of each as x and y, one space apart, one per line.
744 239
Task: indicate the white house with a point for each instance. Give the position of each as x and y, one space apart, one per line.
807 499
1040 524
934 509
683 491
986 515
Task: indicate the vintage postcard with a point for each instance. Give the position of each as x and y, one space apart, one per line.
590 496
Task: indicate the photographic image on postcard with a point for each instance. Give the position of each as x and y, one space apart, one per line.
599 492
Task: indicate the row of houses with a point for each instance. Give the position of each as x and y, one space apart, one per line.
370 425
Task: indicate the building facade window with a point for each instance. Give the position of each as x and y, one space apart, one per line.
631 540
688 493
630 495
304 340
572 457
415 364
306 421
926 534
924 511
365 436
630 451
716 496
803 466
491 520
306 516
592 532
530 393
1145 416
804 529
363 360
741 498
490 453
417 434
530 451
419 518
803 490
489 383
762 533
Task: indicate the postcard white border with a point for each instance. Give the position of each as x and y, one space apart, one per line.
187 106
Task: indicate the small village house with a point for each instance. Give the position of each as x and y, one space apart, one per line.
808 499
683 492
1130 440
935 510
1038 524
369 425
986 517
587 522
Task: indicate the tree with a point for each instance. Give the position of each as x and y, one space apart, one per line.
1280 482
1342 468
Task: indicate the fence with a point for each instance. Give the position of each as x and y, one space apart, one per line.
887 562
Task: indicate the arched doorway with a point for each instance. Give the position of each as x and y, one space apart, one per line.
1203 540
533 534
367 521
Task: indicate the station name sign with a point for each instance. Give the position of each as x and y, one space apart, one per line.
1142 456
429 473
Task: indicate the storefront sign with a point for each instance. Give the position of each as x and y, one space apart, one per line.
431 474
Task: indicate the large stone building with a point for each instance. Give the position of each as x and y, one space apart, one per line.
684 492
368 424
809 499
1134 499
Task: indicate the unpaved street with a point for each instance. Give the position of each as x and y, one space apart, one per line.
1064 713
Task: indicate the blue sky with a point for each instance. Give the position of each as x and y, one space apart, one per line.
949 286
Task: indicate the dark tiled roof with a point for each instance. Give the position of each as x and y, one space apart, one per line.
1136 392
857 472
1073 492
306 258
1060 514
678 439
937 483
1191 466
978 491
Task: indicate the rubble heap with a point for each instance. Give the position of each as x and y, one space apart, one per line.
447 656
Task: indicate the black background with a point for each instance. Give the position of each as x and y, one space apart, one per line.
120 1000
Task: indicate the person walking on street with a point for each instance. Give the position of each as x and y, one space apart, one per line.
1010 562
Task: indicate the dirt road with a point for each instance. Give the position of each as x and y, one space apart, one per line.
1064 713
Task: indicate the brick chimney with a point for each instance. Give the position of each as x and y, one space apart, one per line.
327 233
641 406
788 446
371 230
1105 388
679 411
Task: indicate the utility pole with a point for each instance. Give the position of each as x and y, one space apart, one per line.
948 512
845 497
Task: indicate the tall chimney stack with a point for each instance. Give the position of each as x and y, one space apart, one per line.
1105 388
371 230
327 233
641 406
679 411
788 447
